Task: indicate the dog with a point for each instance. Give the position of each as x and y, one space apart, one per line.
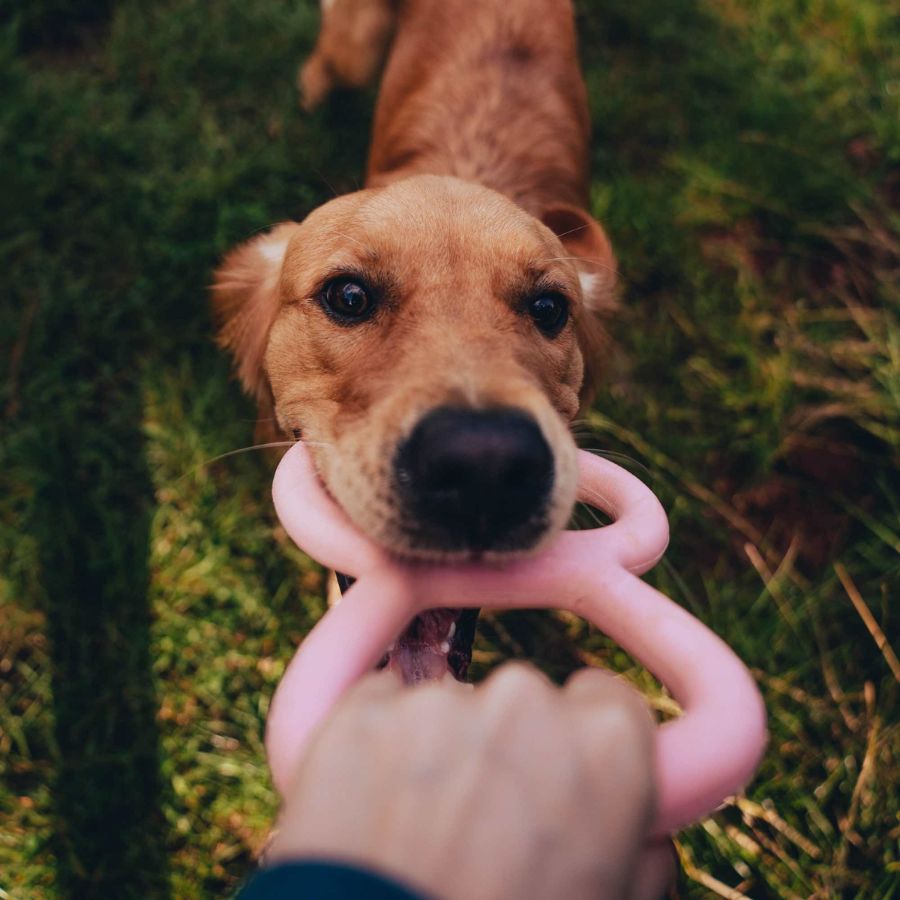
433 335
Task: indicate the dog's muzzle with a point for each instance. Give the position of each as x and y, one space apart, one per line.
475 480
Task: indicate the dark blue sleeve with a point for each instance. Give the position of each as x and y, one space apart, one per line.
312 880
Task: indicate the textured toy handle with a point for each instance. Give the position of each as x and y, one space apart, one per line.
704 756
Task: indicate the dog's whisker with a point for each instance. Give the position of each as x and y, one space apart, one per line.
585 509
328 184
583 427
586 259
572 231
620 458
595 499
208 462
268 446
355 241
271 445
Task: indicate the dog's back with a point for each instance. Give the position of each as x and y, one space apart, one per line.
488 91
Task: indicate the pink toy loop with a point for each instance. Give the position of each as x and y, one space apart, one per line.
704 756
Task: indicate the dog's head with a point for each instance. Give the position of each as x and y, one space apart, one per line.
431 341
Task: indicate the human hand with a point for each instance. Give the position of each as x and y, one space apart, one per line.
515 788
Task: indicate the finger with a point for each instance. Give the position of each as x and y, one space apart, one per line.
516 702
656 871
616 736
361 709
355 720
447 687
519 718
516 679
379 690
435 709
612 713
593 684
613 719
374 686
388 684
615 731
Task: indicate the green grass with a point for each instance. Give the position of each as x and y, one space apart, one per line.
746 164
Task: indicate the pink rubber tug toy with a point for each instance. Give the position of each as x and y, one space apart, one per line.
703 757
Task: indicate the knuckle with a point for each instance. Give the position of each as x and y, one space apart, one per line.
595 684
516 695
515 678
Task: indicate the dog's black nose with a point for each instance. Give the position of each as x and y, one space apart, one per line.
476 479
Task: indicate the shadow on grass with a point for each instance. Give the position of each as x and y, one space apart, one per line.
92 517
81 420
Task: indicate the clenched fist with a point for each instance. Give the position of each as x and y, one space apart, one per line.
512 789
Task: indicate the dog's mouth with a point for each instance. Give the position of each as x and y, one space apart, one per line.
436 642
469 485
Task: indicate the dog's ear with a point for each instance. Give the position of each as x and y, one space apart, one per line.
246 300
586 242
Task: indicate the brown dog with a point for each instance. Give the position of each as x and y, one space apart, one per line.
432 336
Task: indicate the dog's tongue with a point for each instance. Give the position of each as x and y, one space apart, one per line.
435 643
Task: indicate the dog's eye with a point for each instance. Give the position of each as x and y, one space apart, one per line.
550 312
347 300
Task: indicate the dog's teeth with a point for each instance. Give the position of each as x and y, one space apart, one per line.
445 647
451 631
